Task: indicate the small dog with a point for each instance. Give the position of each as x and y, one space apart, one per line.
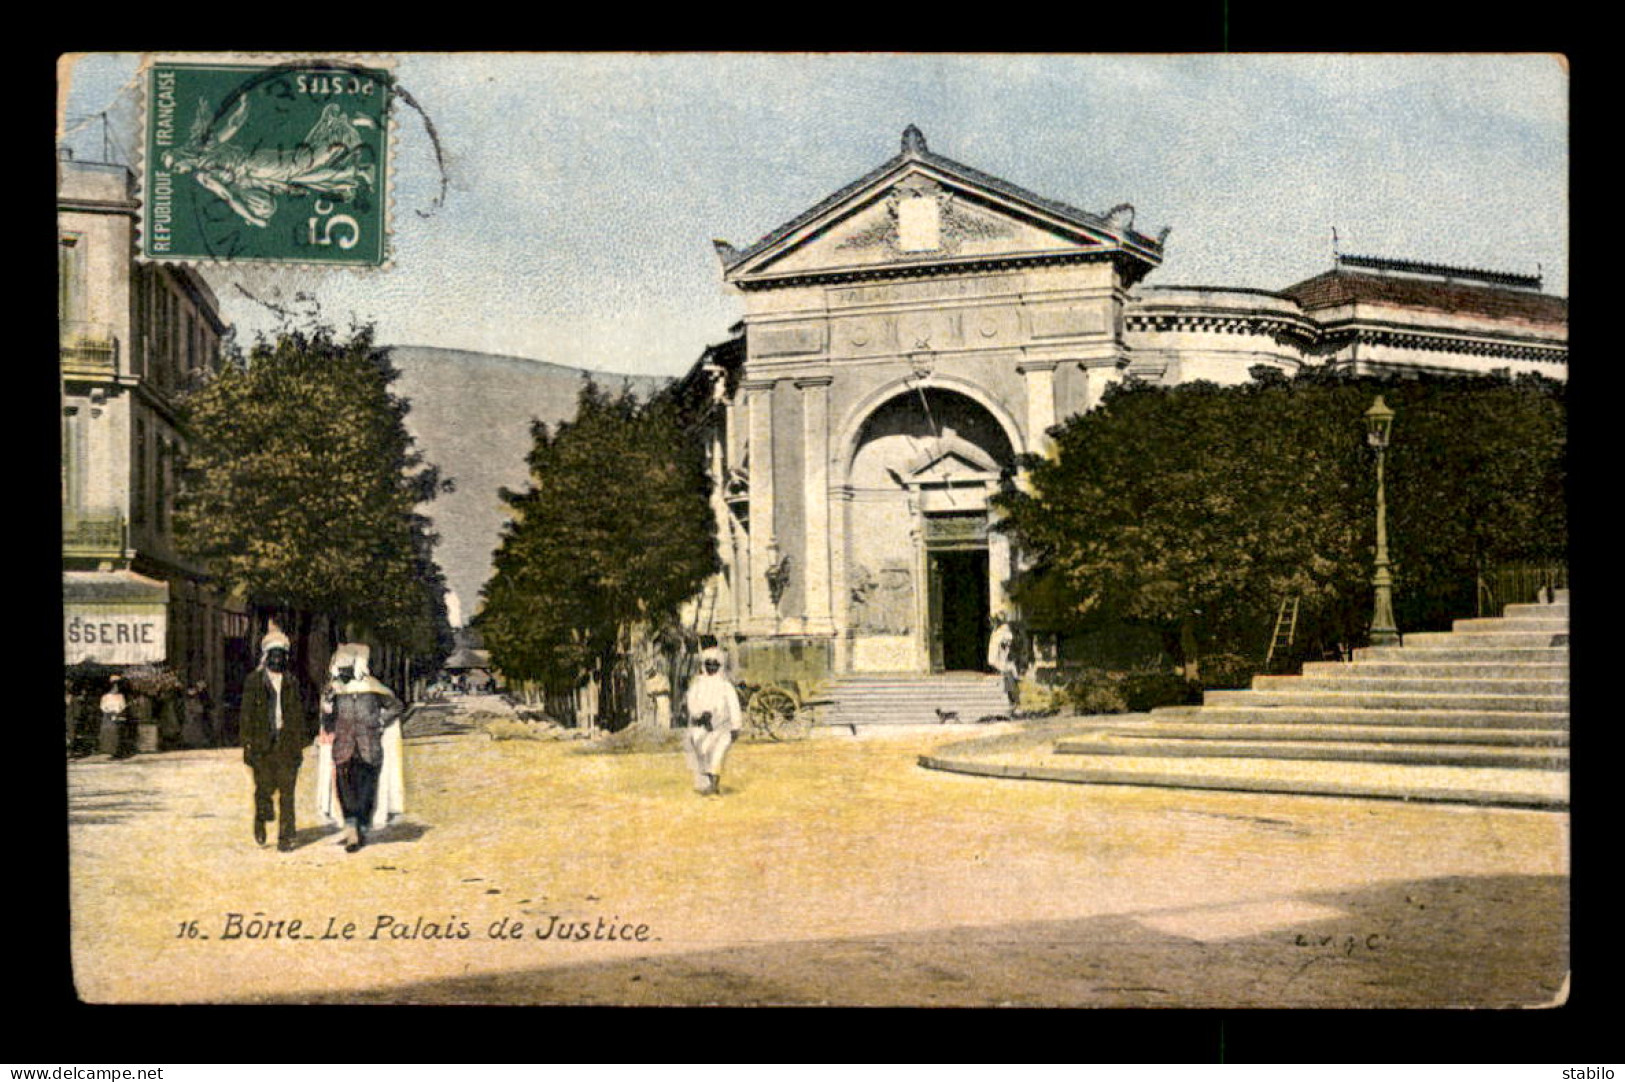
945 716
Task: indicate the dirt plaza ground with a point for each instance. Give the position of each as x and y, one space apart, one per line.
832 871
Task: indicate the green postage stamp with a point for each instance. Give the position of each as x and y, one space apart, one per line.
278 162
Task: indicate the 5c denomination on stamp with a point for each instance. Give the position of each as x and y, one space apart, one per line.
282 162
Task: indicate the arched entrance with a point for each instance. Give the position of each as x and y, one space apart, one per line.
923 571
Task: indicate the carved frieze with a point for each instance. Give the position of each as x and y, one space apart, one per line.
1068 319
787 340
861 335
883 600
924 219
955 528
998 326
928 329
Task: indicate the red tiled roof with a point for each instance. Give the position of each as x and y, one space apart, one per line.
1338 287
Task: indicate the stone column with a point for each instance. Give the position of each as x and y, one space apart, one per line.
815 492
1097 376
759 401
1040 377
999 568
738 558
922 587
841 616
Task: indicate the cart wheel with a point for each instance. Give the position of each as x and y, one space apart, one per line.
772 710
798 726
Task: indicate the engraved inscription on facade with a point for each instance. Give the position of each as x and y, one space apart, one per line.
928 290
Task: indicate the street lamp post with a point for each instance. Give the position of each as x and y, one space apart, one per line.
1379 421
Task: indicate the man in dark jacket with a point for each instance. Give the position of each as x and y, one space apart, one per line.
275 729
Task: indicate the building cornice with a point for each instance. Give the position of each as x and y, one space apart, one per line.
1309 333
1223 322
1443 343
127 207
915 152
846 275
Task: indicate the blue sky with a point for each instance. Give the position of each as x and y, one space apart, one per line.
584 190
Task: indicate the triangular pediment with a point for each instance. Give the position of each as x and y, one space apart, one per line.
921 208
951 457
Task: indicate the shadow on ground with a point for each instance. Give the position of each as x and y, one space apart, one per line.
398 831
1458 942
104 806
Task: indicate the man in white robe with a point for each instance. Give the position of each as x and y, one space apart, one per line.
1001 656
715 717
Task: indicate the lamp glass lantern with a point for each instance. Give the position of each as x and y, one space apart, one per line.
1379 421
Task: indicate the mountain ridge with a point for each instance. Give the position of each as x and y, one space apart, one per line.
470 413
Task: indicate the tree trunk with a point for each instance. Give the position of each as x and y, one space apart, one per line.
1188 649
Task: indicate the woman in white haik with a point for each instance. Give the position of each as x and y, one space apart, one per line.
391 778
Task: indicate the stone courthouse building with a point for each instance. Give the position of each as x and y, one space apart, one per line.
905 340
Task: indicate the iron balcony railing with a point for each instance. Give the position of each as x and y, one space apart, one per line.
89 350
1518 584
94 534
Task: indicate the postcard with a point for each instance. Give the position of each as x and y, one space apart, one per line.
815 529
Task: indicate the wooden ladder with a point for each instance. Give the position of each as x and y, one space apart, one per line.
707 608
1286 628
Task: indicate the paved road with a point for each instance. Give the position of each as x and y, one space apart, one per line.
831 871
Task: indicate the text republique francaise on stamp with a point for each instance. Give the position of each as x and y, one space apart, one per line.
280 162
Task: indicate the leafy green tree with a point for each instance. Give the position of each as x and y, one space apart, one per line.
301 489
614 531
1478 479
1195 509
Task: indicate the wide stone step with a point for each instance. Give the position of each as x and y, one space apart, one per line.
905 689
1511 623
1376 700
1425 755
1243 714
967 677
1356 681
1475 653
912 693
1552 611
1483 786
898 702
1411 668
914 699
1329 732
913 717
1458 640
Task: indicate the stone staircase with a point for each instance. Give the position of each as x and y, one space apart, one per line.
1479 714
914 699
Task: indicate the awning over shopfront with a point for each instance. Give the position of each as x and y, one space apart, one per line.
113 617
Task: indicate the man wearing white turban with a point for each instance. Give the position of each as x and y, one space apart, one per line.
715 717
275 730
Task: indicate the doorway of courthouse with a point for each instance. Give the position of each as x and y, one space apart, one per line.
959 623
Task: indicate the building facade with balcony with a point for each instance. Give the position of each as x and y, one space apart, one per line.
132 336
907 339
